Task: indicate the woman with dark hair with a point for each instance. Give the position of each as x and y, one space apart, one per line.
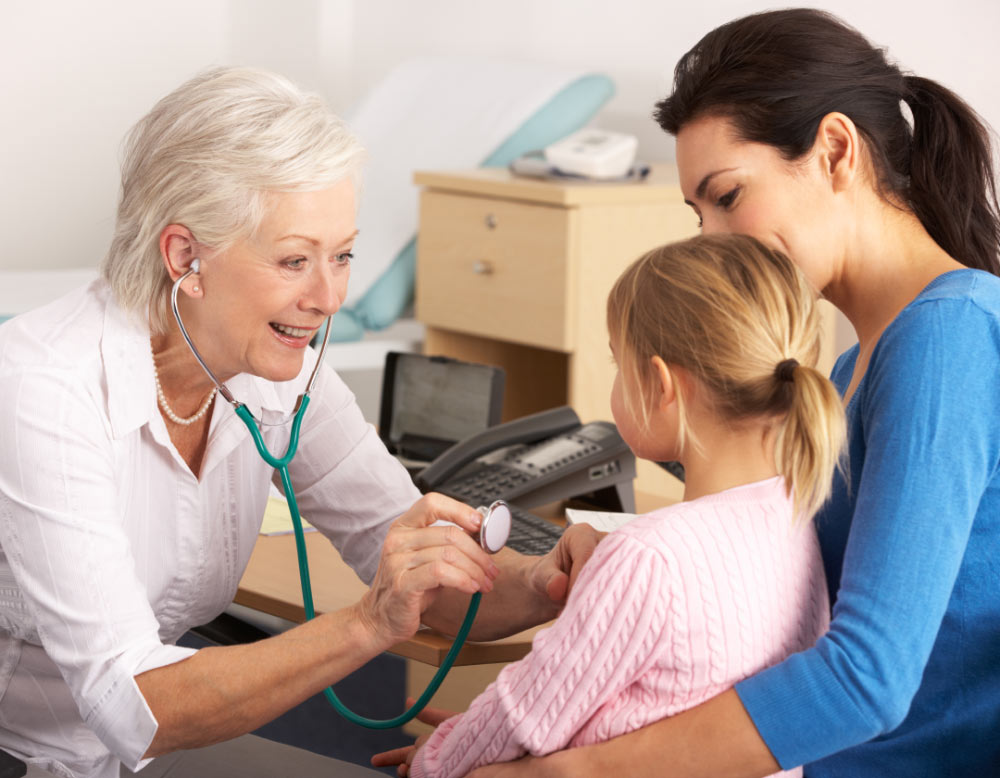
793 128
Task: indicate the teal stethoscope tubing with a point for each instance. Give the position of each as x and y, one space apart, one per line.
281 465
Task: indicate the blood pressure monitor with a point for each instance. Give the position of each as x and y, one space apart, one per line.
593 153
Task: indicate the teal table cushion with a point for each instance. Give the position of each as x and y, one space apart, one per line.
567 112
390 295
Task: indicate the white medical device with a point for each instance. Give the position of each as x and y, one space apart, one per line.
593 153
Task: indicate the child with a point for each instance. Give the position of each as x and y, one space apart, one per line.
716 340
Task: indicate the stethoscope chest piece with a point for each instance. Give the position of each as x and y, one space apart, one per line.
496 526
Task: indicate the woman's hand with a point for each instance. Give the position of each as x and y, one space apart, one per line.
402 758
418 560
555 573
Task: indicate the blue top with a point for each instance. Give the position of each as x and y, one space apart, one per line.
912 555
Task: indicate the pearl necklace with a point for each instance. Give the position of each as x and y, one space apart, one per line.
167 409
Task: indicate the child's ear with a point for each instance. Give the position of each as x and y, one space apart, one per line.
664 384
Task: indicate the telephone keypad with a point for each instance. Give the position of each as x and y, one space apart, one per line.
564 465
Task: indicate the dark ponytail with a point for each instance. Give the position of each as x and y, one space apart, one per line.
776 74
952 183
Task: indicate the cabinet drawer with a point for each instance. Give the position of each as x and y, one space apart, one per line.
493 267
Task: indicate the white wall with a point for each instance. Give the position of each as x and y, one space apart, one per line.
637 42
74 76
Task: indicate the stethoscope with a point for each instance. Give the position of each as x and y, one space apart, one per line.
492 537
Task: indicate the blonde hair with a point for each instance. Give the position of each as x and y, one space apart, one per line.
207 156
732 313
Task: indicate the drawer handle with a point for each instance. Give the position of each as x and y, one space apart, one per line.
491 221
482 267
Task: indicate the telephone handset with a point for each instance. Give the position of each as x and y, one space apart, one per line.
528 429
538 459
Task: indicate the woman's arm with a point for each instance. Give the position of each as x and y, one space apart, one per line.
925 447
220 693
931 445
932 448
223 692
715 739
64 537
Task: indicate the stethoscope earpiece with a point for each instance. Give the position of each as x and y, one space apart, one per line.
223 390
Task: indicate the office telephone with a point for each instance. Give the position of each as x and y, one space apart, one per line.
535 460
11 767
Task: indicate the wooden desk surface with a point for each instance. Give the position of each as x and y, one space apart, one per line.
271 585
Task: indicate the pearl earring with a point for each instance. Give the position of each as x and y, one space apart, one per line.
196 289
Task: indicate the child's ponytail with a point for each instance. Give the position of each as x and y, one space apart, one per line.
809 441
742 320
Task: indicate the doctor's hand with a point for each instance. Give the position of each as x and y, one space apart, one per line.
417 561
555 573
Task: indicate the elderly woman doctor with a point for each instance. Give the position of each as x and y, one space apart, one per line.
131 495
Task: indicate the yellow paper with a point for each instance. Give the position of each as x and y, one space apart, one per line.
278 519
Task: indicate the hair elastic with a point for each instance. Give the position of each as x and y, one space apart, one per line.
785 371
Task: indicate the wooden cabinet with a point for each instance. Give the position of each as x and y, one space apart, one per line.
516 272
497 268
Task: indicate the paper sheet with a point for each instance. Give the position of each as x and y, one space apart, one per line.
604 521
278 519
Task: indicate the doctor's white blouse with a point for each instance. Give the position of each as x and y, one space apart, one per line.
112 548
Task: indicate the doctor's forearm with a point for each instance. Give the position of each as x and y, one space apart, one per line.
514 604
224 692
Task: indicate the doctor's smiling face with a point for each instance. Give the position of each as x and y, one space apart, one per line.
743 187
261 301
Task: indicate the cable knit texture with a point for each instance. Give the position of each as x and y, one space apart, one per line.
671 610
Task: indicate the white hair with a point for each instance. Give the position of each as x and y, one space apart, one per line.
207 156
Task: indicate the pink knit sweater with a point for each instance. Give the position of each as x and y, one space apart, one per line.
672 609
